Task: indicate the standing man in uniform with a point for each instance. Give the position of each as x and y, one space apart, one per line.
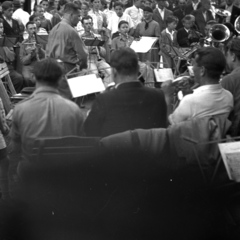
65 45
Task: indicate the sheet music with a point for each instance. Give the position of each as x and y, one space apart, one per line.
83 85
144 44
163 75
231 157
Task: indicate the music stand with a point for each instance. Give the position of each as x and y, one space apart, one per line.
8 41
93 42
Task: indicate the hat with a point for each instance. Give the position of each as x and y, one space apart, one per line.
6 5
16 4
148 9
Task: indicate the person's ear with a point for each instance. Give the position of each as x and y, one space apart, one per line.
202 71
233 57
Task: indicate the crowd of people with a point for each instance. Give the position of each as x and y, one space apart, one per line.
126 104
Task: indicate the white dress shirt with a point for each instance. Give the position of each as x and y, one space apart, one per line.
161 12
113 24
170 33
135 13
21 16
205 101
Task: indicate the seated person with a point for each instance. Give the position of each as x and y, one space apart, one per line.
39 30
45 113
96 62
45 23
168 43
186 35
118 17
210 98
30 53
123 41
8 55
129 105
231 82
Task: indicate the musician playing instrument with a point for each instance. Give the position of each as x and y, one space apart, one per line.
96 61
30 52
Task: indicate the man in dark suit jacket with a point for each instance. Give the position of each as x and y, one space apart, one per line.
11 26
158 17
194 5
203 15
180 12
235 11
129 105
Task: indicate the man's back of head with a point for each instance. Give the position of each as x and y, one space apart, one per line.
48 72
208 66
124 63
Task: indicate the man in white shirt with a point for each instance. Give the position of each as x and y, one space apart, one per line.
45 5
210 98
113 23
135 12
19 14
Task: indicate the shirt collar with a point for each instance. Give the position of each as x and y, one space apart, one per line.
208 87
169 32
46 89
235 70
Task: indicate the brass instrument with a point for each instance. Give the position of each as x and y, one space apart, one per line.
237 25
219 33
222 13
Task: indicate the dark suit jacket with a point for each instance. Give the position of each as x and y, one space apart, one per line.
189 8
127 107
11 31
157 17
235 13
182 38
180 15
200 21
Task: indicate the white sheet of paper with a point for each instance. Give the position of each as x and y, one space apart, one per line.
143 45
230 153
163 74
83 85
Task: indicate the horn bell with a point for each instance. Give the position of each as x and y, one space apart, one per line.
219 33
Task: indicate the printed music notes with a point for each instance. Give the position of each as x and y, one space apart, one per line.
163 74
144 44
231 157
83 85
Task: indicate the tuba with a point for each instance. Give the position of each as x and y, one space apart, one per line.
219 33
237 25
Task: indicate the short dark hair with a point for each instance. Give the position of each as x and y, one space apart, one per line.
48 71
31 18
70 8
171 19
86 18
212 59
6 5
187 18
62 2
125 61
234 47
85 3
211 22
122 22
44 1
37 6
28 23
118 4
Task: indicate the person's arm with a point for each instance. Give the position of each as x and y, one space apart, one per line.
157 32
3 124
182 112
95 119
25 56
131 26
80 49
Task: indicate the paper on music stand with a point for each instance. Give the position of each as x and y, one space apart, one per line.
143 45
163 74
83 85
43 39
231 157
